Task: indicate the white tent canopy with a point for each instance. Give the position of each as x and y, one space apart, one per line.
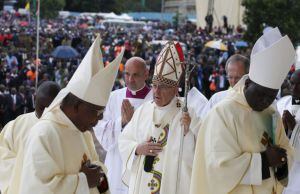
232 9
112 16
108 16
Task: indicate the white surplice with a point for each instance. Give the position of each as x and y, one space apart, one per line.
285 103
215 99
197 101
107 132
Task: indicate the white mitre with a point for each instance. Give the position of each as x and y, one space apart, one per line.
271 59
91 82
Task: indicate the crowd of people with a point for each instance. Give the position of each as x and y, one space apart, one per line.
18 60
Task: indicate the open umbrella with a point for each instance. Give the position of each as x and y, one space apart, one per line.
216 44
241 43
64 52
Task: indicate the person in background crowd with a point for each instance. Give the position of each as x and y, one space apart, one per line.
118 113
236 67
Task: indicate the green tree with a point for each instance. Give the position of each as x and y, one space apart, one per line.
50 8
154 5
117 6
92 6
1 4
282 13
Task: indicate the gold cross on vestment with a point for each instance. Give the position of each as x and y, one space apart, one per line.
152 184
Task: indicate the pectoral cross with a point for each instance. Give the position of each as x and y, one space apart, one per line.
153 140
152 184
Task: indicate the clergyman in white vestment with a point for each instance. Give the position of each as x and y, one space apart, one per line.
118 113
60 155
242 140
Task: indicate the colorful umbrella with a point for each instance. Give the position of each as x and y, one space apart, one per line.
216 44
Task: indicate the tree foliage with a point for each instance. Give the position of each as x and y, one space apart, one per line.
145 5
117 6
282 13
50 8
92 6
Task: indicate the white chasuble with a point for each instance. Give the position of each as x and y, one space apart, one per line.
12 141
163 124
227 157
53 157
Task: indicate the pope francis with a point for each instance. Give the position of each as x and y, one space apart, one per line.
150 145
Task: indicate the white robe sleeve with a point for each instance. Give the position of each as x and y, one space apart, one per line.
213 101
189 140
127 146
207 108
42 172
188 148
197 101
283 141
7 155
295 141
253 175
223 155
82 186
109 128
295 135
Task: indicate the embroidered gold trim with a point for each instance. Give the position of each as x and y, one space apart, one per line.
161 80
